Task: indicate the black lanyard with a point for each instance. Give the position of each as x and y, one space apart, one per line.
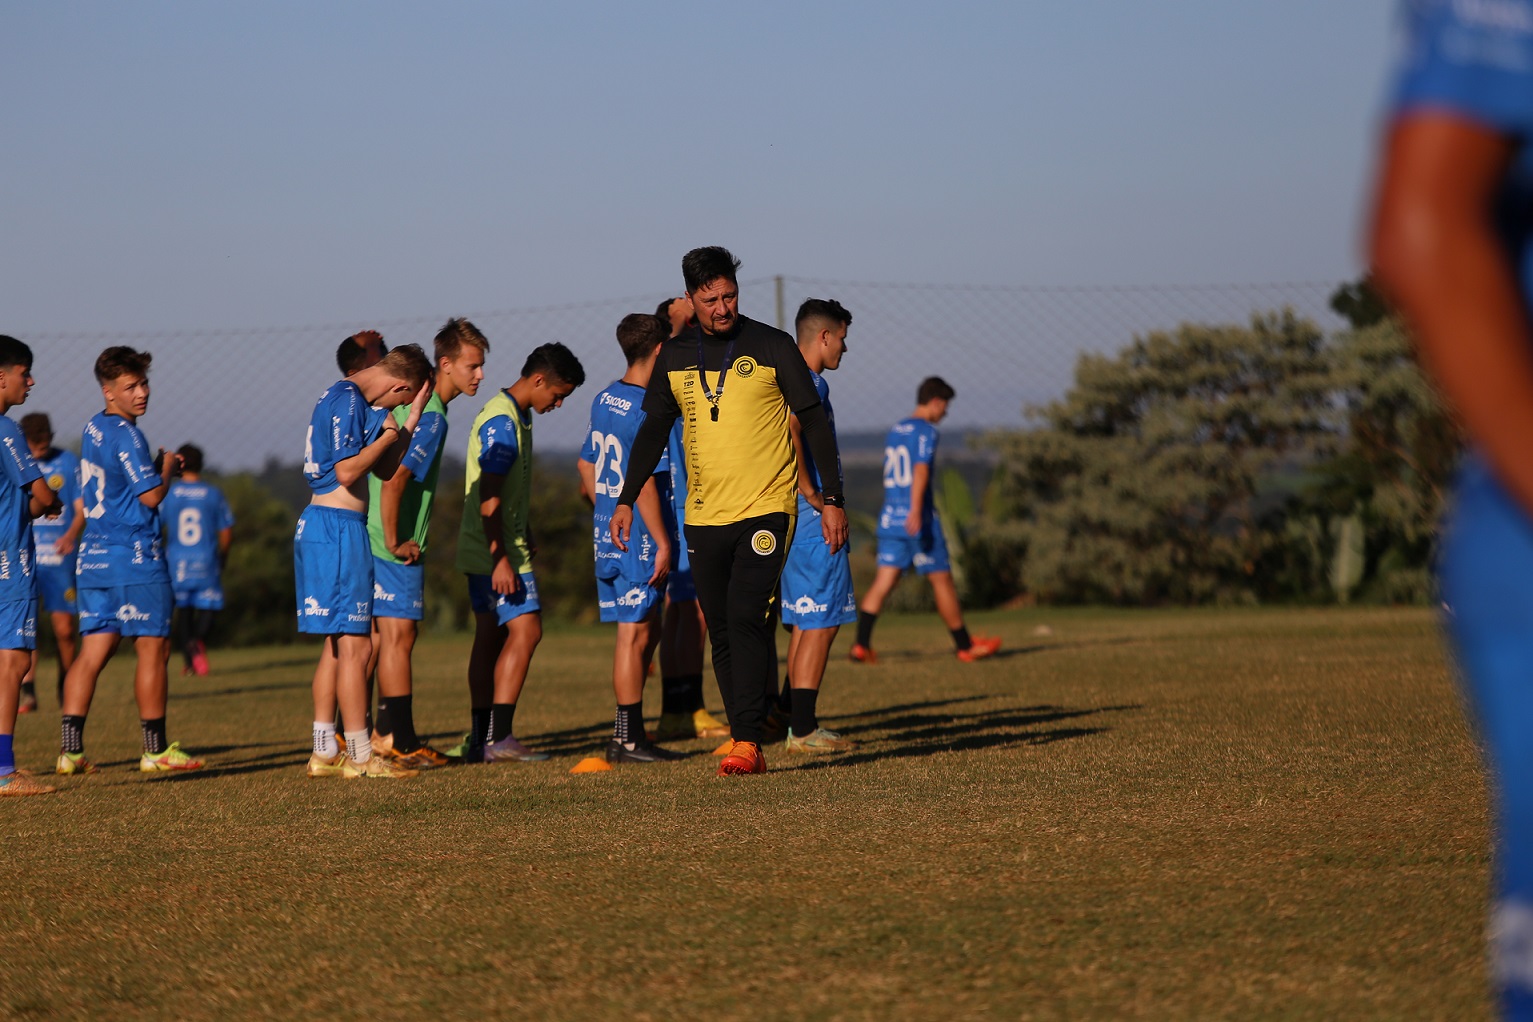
702 372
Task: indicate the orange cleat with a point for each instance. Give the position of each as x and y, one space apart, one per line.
863 655
744 758
982 647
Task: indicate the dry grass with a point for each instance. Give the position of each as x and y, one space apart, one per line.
1228 814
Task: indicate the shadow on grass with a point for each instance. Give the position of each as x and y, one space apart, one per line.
240 690
912 655
268 665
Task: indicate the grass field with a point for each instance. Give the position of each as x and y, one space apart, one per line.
1221 814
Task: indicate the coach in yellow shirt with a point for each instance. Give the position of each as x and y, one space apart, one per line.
734 382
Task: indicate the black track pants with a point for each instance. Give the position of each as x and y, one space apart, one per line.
736 569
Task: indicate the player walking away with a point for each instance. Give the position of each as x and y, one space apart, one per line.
350 434
628 582
734 382
398 521
123 585
1450 246
495 551
909 532
817 595
57 539
683 713
24 494
201 529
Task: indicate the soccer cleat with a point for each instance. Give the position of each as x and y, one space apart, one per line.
322 766
460 750
725 748
509 750
383 743
681 726
863 654
171 759
640 752
776 725
376 767
980 648
73 763
818 740
200 658
744 758
424 758
28 702
21 783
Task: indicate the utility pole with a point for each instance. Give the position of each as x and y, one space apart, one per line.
782 320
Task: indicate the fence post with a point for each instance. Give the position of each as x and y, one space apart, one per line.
781 319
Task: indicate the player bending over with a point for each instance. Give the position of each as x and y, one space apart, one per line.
57 540
909 532
350 435
201 528
398 522
817 596
495 551
24 494
628 582
122 582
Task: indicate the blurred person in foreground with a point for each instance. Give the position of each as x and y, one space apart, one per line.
57 540
201 530
1450 247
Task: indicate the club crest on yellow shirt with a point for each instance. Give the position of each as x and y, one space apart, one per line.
763 542
744 365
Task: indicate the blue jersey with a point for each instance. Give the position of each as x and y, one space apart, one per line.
615 421
342 424
121 544
910 443
195 513
61 471
823 389
16 582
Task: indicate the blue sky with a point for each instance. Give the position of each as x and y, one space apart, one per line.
180 165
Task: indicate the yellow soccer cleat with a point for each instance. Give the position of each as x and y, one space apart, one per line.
376 767
322 766
172 759
71 763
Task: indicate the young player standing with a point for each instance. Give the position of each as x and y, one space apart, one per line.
909 532
201 528
1450 247
495 550
24 495
350 434
57 540
817 596
628 582
398 523
123 586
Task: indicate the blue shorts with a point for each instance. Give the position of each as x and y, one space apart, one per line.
333 570
132 611
927 552
625 600
816 584
484 600
18 624
399 590
679 587
208 597
56 586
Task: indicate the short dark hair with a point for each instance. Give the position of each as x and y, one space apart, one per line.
933 388
408 364
454 335
351 356
638 335
663 311
121 361
827 309
36 427
14 353
555 360
191 458
704 265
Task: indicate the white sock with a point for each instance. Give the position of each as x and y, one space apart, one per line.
324 739
359 746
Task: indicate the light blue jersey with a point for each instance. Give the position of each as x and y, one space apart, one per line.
910 443
194 513
121 544
61 471
20 472
615 421
343 424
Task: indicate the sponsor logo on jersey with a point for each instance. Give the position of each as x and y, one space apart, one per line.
622 404
5 564
633 598
128 612
94 432
380 594
311 608
806 605
764 542
744 366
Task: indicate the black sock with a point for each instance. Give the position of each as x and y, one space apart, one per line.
785 697
383 716
675 693
865 623
805 722
479 729
155 741
628 723
29 688
74 733
961 638
501 716
402 721
202 624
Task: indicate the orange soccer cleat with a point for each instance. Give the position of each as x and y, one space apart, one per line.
981 647
744 758
863 654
